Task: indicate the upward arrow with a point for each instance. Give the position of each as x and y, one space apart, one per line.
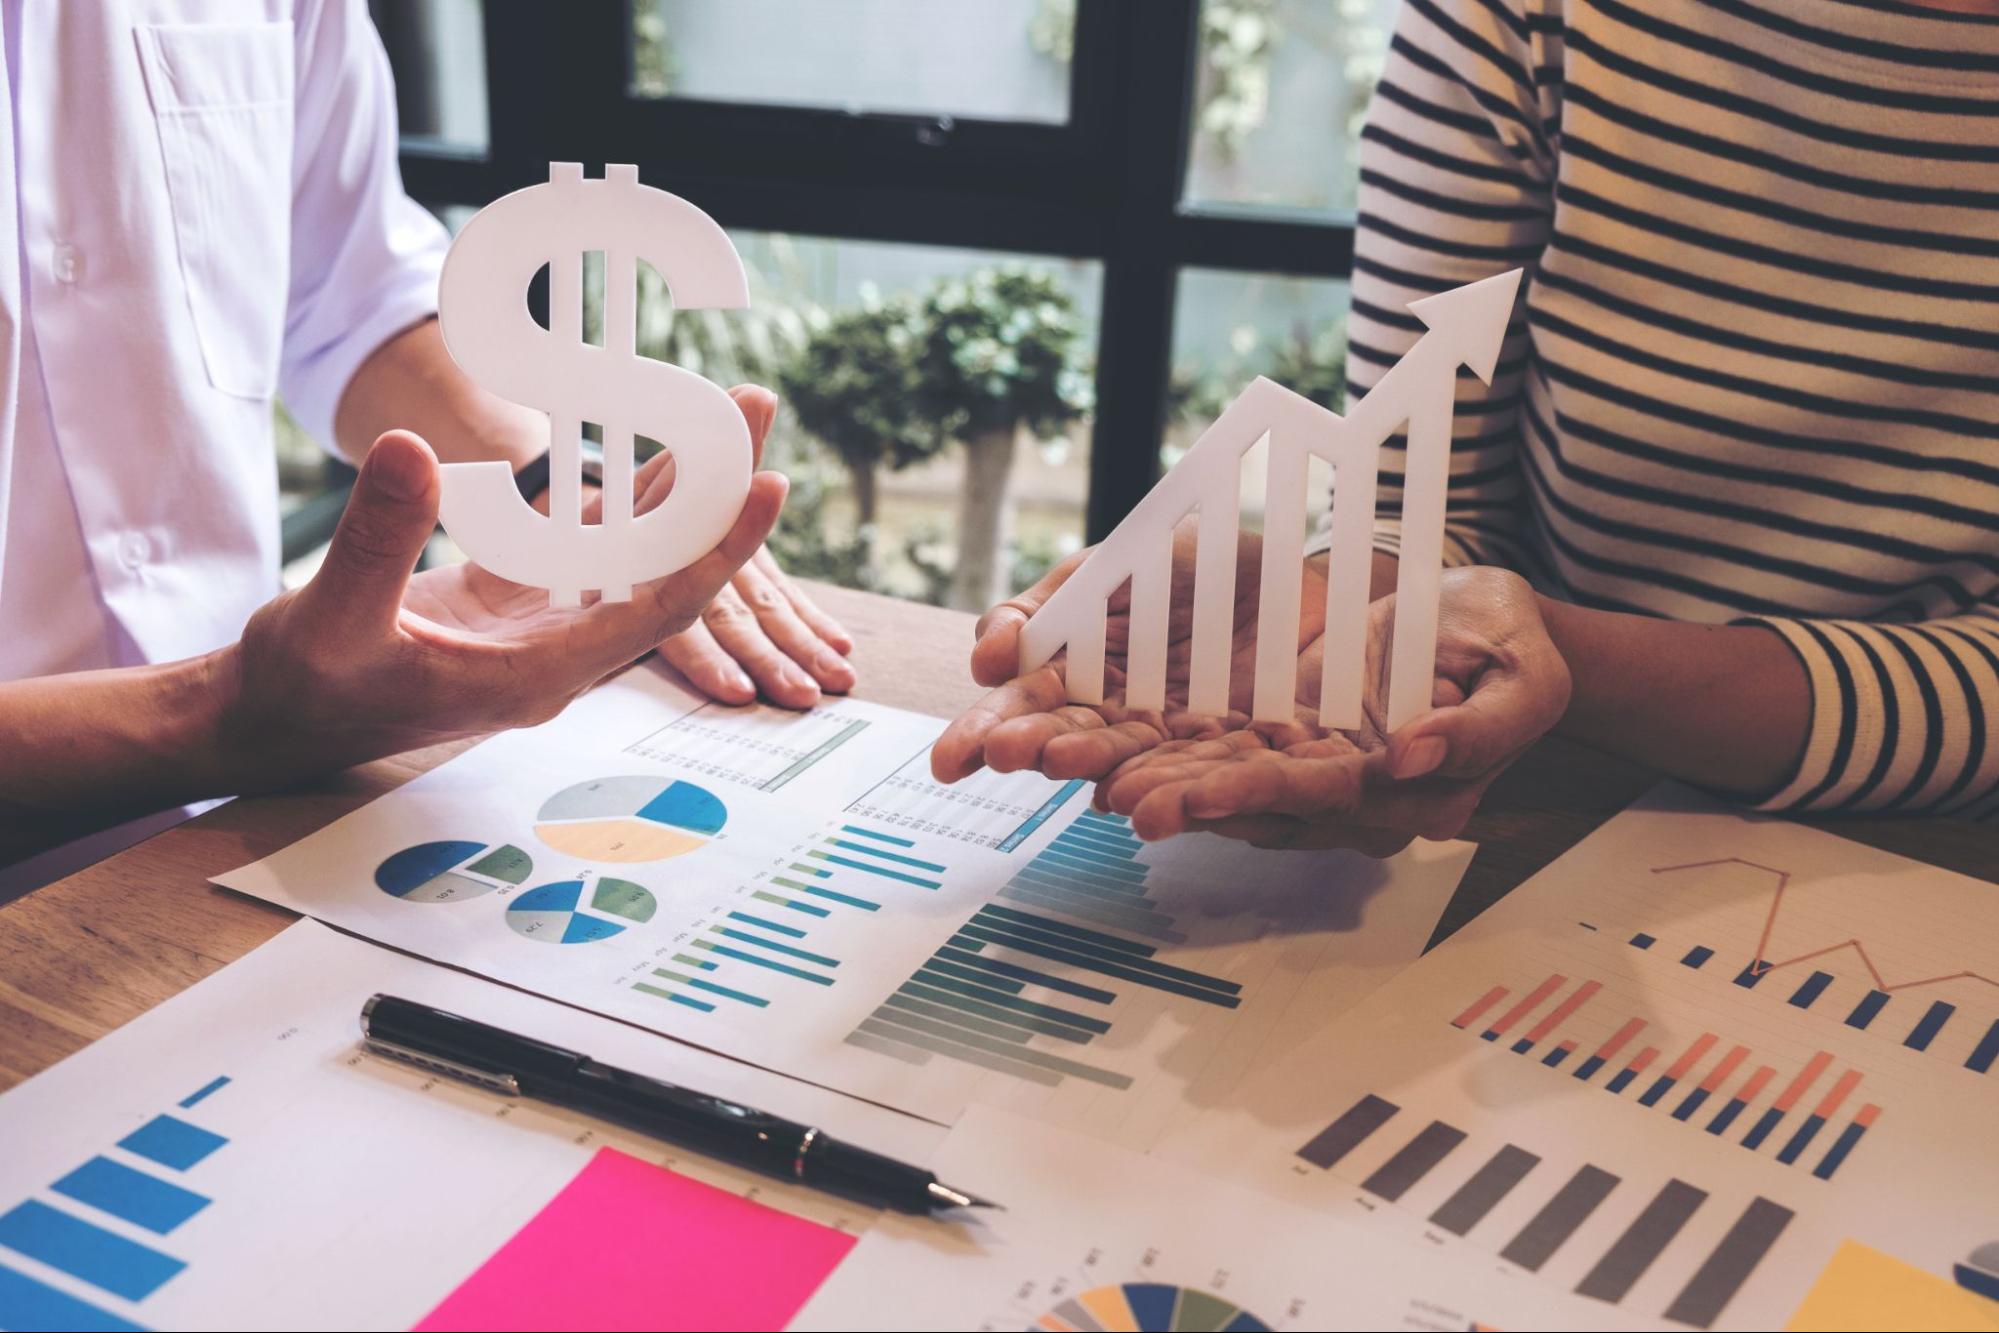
1470 321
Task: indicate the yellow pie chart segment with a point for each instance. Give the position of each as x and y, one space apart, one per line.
630 819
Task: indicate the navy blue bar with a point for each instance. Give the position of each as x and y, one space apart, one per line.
1660 1087
1554 1057
1642 941
1096 937
1027 974
1522 1046
1622 1081
1751 974
1929 1025
1697 955
1589 1066
1840 1148
1726 1116
1802 1139
1988 1048
1809 989
1754 1138
1690 1104
1870 1005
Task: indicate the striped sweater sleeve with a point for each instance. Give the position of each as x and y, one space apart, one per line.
1456 169
1901 715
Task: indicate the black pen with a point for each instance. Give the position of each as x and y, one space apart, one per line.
520 1066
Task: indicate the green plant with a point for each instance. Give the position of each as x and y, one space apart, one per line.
652 52
854 385
1236 39
999 356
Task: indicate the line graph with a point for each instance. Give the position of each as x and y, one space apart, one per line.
1760 962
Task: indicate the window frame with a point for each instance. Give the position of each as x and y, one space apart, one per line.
1106 185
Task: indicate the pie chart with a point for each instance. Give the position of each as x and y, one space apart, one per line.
630 819
1148 1306
579 911
447 872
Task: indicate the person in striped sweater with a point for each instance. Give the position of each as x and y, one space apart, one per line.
1730 505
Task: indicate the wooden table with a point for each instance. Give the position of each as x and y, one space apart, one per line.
84 955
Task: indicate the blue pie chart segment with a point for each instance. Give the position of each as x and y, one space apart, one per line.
578 911
451 870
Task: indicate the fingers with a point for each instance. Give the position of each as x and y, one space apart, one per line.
1508 709
759 408
707 668
960 751
389 518
770 596
996 652
830 631
1072 742
740 632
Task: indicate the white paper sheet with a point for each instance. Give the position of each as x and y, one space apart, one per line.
1068 972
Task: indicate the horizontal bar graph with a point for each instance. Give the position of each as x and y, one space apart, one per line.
1558 1206
171 1142
1723 1074
1091 871
134 1196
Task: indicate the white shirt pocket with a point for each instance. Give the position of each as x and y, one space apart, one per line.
222 99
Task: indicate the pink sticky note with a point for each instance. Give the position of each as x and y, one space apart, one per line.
630 1245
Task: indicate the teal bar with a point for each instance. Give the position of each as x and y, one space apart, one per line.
1047 1013
770 963
973 975
775 947
31 1304
792 931
967 1005
665 994
896 857
870 833
1092 869
811 870
883 871
846 898
1082 850
1100 841
991 1027
213 1085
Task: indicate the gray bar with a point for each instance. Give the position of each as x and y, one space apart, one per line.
1134 897
1559 1218
952 1000
1394 1177
840 738
1139 923
943 1015
894 1049
956 1052
1345 1134
1700 1302
1015 1054
1478 1196
1626 1261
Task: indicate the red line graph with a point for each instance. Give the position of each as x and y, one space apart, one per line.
1761 963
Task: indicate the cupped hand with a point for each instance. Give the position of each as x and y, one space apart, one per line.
367 660
1500 685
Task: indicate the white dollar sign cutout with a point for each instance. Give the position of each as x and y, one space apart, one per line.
490 333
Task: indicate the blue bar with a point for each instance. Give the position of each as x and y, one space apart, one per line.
1930 1024
30 1304
1622 1081
1809 990
1802 1139
747 919
1660 1087
171 1142
1751 974
972 974
1726 1116
1589 1067
808 908
1690 1104
1870 1005
883 871
1522 1046
215 1084
1761 1131
85 1252
848 899
1843 1145
896 857
1110 843
1642 941
772 964
1005 915
1039 817
702 1005
1988 1048
1081 850
713 989
1016 972
1554 1057
1697 955
1107 871
870 833
775 947
143 1200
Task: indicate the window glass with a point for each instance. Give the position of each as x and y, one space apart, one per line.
437 49
1281 87
987 59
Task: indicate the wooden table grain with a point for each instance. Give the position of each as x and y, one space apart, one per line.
91 952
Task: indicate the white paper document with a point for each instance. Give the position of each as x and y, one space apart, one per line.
1094 1237
234 1159
795 890
1671 1073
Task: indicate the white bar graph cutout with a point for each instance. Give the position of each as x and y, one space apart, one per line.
1466 326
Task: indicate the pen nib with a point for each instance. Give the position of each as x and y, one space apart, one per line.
947 1197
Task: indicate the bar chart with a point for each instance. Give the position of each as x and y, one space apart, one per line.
988 809
758 747
1560 1203
1707 1083
136 1182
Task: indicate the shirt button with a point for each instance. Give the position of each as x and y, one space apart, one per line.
68 263
135 550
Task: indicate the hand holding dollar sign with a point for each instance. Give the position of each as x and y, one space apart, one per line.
487 327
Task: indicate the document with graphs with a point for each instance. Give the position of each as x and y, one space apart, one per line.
1702 1065
795 890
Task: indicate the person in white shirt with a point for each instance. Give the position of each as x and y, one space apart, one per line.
204 210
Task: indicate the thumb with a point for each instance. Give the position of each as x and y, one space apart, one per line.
389 517
996 652
1506 711
759 408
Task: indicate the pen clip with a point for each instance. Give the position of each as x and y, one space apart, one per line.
505 1083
